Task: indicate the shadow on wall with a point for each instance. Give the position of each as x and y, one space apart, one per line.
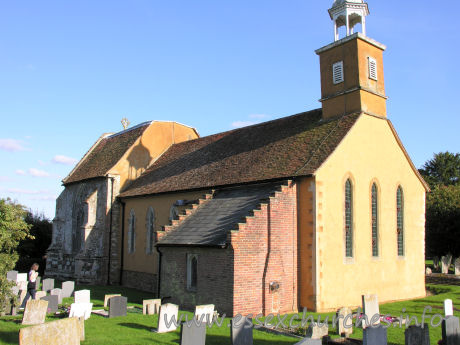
139 159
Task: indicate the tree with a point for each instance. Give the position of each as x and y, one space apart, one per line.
443 169
13 229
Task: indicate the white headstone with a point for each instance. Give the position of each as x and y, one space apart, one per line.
67 289
206 310
445 262
57 292
82 296
457 266
40 294
12 275
21 277
371 310
448 307
81 310
345 321
151 306
169 311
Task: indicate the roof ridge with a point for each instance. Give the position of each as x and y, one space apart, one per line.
129 129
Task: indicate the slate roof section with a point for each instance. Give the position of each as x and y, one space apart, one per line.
105 154
288 147
210 223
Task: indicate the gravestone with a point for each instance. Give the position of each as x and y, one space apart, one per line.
371 310
168 310
457 266
21 277
428 271
53 303
151 306
67 289
12 275
309 341
448 307
82 296
107 297
40 294
345 322
57 292
118 306
445 263
64 331
192 334
450 331
416 335
81 310
241 333
35 312
375 336
48 284
22 293
436 263
316 331
38 281
204 313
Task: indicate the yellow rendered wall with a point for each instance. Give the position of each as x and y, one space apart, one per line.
139 261
368 153
155 140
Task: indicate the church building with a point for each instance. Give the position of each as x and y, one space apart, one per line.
310 210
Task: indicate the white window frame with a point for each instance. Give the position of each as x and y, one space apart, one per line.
132 232
189 272
337 73
372 68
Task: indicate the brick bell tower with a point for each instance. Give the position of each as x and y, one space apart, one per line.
352 77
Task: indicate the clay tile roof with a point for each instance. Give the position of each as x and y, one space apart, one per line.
105 154
288 147
210 223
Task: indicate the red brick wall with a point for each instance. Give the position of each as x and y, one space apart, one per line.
265 250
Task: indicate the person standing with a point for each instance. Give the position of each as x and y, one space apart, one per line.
31 286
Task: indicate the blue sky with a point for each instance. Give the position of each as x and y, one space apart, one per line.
70 70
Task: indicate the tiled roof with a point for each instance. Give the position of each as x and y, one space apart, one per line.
209 224
291 146
105 154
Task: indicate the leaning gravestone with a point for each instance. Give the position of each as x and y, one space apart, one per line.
53 303
315 331
151 306
436 263
450 331
67 289
21 277
12 275
81 310
64 331
107 297
375 335
57 292
457 266
82 296
38 281
448 308
48 284
169 311
192 334
35 312
345 321
241 333
445 262
40 294
118 306
204 313
417 335
371 310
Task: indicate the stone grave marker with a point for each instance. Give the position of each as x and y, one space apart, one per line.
375 336
151 306
309 341
457 266
345 322
169 310
416 335
371 310
428 271
48 284
107 297
316 331
12 275
242 332
21 277
204 313
436 263
81 310
81 327
64 331
67 289
450 331
118 306
35 312
38 282
57 292
82 296
445 263
22 293
192 334
448 307
53 303
40 294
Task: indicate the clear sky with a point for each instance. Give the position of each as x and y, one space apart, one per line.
70 70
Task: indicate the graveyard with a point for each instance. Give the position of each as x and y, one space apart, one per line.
135 327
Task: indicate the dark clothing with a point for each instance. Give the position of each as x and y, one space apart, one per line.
31 289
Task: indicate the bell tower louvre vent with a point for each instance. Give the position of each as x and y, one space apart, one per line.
337 72
372 68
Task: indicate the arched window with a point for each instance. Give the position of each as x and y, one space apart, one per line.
348 219
192 271
132 232
173 213
400 220
150 224
375 221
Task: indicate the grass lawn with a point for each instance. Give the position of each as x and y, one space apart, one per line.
136 328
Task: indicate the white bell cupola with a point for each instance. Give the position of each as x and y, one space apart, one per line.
348 13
